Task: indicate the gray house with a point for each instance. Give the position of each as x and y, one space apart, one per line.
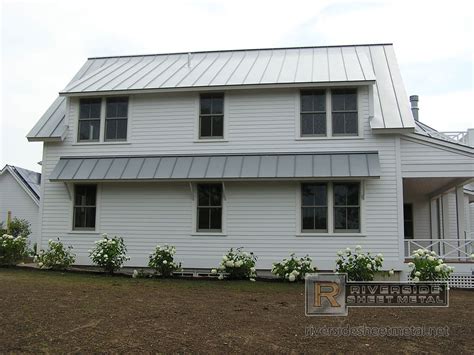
20 195
306 150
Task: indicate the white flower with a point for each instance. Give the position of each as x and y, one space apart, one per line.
220 277
229 263
417 273
411 265
433 253
252 279
252 269
430 258
348 250
379 255
291 278
245 254
40 264
165 262
224 258
437 268
340 253
295 272
440 261
358 247
416 279
472 256
221 267
391 272
369 266
135 274
238 263
213 271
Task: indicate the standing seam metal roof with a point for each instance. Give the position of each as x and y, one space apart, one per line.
220 167
242 68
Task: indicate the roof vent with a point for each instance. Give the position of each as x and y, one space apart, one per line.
414 106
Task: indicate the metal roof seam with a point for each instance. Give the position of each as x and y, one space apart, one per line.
236 67
330 164
281 67
349 164
126 70
124 167
95 164
161 72
89 76
367 162
205 70
191 69
225 164
207 166
148 72
141 167
251 67
185 64
77 169
106 75
327 60
220 70
132 74
393 87
297 65
157 166
360 64
108 168
47 120
266 66
378 91
344 63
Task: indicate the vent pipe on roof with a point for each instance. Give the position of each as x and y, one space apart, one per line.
414 106
189 60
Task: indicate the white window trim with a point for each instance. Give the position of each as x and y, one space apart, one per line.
98 198
197 112
103 107
331 232
360 129
194 195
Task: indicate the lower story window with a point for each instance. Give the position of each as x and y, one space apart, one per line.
209 208
85 197
322 203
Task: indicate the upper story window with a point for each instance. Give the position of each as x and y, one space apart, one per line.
211 116
313 113
89 120
344 112
209 208
116 118
85 206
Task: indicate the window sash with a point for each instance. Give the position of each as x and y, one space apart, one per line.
87 224
116 131
314 207
345 111
216 130
210 208
90 131
346 207
212 134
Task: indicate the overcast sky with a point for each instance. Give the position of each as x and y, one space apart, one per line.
44 43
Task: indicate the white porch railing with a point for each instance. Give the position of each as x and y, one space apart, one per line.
449 249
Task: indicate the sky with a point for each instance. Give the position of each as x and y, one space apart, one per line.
44 43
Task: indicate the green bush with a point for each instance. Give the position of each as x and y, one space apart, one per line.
18 227
12 249
357 265
237 264
292 268
109 253
428 266
162 260
57 257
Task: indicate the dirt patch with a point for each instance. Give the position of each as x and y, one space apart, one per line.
52 312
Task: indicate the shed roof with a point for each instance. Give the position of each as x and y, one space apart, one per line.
28 179
236 69
264 166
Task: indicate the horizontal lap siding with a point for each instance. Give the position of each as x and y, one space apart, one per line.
260 216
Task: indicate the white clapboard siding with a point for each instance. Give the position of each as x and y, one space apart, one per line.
15 199
261 216
421 159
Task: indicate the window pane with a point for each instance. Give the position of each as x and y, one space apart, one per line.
217 105
312 101
337 98
216 218
89 108
217 126
90 217
110 128
215 195
203 195
95 108
339 218
306 123
338 123
206 126
205 105
307 195
314 194
203 218
306 102
84 110
122 129
79 217
353 194
320 218
117 107
111 109
407 211
319 123
308 218
340 193
351 100
89 129
353 218
122 108
351 123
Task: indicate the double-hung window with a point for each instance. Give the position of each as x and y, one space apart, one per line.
314 208
313 113
85 197
89 120
346 207
209 208
116 118
344 112
211 116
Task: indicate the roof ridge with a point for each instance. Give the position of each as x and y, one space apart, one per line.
242 50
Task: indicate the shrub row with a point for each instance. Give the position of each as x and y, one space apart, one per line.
110 255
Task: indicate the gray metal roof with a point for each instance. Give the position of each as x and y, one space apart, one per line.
219 167
236 69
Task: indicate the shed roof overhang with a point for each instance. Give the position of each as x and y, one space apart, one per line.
284 166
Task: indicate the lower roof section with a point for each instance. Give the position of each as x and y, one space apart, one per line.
265 166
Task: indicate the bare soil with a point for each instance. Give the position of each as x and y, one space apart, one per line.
52 312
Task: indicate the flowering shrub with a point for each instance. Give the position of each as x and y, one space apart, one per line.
238 264
109 253
57 256
293 269
427 266
12 249
162 260
357 265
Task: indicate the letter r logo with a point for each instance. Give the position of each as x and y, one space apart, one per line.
328 290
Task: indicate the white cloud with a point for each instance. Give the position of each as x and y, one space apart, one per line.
45 42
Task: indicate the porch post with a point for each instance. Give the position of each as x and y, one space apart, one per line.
460 212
